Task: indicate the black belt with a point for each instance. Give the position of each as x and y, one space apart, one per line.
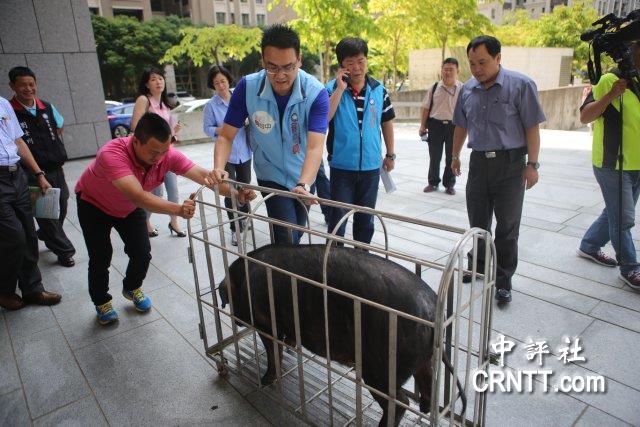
497 153
442 122
10 168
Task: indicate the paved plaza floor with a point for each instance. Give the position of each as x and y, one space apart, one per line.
59 367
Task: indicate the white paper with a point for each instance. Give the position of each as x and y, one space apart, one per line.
387 181
48 205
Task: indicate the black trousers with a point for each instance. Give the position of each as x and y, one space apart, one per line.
495 187
18 240
440 136
96 229
50 230
240 172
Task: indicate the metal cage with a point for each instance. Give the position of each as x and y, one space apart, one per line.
315 388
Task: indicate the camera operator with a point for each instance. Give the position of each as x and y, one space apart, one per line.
602 106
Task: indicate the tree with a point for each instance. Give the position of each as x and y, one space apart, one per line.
393 36
322 23
126 47
562 28
213 45
447 21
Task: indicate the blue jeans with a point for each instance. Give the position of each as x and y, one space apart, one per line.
171 184
357 188
605 228
284 209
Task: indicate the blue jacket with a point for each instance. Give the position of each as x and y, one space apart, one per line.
279 148
349 147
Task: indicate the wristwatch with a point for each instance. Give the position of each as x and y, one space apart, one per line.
303 185
391 156
37 174
535 165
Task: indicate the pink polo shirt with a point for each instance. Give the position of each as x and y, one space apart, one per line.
115 160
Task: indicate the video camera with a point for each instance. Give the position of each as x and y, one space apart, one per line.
613 37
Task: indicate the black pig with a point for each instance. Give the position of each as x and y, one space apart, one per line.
356 272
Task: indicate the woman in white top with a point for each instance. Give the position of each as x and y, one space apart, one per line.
153 99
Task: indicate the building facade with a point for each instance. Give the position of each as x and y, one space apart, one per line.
495 10
246 13
619 7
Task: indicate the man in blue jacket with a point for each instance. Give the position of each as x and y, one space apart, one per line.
287 110
359 110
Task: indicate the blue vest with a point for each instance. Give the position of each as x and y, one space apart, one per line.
279 148
349 147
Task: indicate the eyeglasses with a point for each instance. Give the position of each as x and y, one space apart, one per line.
287 69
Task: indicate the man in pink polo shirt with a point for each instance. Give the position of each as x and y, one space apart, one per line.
114 192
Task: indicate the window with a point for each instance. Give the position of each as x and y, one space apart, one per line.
260 19
233 18
94 10
135 13
258 1
156 6
493 14
245 19
543 9
243 1
221 17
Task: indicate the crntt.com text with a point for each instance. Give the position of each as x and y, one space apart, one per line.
527 381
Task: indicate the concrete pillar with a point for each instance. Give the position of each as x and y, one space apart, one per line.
55 39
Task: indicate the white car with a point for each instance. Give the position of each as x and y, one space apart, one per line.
190 106
110 104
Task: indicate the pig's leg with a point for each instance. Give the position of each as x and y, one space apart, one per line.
401 396
271 374
423 379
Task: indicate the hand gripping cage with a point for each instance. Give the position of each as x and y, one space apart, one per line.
316 389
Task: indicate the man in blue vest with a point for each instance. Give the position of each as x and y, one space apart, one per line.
287 110
359 110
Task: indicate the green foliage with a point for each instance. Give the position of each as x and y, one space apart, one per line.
393 36
213 45
446 22
126 47
561 28
322 23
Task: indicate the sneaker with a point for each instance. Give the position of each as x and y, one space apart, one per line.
503 296
598 257
140 300
450 191
234 239
632 279
106 314
430 188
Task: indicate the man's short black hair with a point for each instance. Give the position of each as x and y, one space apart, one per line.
150 126
453 61
491 43
214 71
16 72
351 46
281 36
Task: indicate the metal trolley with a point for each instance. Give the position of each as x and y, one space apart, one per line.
317 389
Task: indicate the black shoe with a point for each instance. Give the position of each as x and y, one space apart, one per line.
153 233
178 233
503 296
66 262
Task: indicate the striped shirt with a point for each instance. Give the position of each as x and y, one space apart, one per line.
388 112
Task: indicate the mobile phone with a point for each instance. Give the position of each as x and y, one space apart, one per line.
425 137
346 79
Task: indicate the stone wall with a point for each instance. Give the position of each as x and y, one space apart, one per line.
55 39
560 105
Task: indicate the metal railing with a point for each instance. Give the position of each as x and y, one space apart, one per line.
300 376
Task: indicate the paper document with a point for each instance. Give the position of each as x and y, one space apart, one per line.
45 205
387 181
